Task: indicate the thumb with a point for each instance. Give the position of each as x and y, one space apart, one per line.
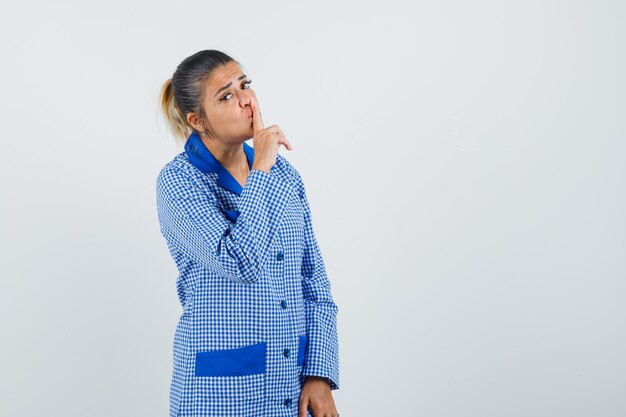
303 406
257 123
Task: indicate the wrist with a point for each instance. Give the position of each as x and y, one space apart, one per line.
317 378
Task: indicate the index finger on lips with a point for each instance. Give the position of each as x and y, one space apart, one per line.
257 123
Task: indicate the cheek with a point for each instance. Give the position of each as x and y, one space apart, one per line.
220 117
224 112
229 116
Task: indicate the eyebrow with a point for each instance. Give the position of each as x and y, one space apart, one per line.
229 84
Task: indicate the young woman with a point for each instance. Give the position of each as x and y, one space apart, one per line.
258 332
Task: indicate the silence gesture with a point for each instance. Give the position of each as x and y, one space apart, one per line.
265 141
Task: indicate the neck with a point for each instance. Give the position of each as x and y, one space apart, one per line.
230 155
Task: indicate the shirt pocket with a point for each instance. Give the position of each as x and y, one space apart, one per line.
231 373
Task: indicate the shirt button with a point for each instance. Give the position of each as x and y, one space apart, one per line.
287 402
283 304
279 256
286 353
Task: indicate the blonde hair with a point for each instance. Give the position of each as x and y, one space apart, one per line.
176 120
183 93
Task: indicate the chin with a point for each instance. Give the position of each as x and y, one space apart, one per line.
246 136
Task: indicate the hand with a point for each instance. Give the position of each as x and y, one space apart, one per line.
316 395
266 141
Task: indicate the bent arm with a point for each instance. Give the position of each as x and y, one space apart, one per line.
191 220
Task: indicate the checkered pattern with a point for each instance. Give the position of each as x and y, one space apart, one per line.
250 272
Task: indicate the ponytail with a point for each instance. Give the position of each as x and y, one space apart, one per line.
176 121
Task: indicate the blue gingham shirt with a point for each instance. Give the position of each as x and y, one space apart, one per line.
258 314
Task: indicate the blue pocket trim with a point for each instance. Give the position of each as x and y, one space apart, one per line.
247 360
301 349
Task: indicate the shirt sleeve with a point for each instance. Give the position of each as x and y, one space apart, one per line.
322 352
191 220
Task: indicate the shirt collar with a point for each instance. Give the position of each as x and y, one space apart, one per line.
200 157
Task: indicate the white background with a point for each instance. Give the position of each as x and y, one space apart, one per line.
465 163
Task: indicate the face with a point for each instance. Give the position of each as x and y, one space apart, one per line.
227 105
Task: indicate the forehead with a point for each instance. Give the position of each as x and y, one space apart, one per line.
223 74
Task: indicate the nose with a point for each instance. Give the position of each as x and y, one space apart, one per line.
244 99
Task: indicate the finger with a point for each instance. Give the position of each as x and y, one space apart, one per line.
302 407
281 140
257 122
281 137
286 143
273 129
280 131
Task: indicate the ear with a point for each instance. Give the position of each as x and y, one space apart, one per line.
194 120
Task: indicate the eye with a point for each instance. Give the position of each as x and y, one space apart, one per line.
246 84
